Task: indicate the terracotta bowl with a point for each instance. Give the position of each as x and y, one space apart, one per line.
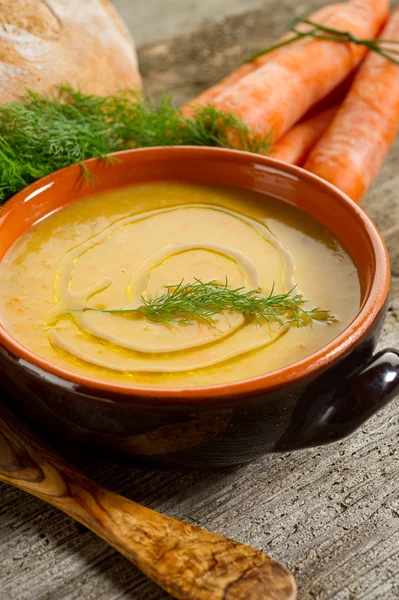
318 400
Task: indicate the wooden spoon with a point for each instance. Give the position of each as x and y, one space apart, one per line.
186 561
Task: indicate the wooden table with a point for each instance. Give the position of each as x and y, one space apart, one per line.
330 514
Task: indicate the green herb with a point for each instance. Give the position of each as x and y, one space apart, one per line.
322 32
43 135
184 303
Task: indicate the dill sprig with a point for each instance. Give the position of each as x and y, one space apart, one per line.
202 301
41 134
323 32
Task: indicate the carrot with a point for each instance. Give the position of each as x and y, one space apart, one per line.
334 98
296 144
278 94
320 16
352 150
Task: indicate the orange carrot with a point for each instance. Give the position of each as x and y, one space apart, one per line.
278 94
297 143
334 98
354 147
320 16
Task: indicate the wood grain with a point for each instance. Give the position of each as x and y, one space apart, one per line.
330 514
188 562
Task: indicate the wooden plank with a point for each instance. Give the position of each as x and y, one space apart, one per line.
331 514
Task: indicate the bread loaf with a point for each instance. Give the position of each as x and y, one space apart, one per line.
45 43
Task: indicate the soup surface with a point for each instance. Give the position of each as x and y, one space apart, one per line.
107 251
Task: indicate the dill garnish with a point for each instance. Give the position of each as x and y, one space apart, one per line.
202 301
41 135
323 32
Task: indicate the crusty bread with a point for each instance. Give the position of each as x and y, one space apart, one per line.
45 43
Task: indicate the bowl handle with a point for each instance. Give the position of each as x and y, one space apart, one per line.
339 412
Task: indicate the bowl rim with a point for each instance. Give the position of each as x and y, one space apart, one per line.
306 367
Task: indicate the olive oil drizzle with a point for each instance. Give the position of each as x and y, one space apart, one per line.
224 311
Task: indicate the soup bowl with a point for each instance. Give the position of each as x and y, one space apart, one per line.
318 400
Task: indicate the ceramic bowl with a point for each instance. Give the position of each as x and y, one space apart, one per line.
318 400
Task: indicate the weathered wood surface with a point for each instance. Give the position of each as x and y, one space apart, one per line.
188 562
330 514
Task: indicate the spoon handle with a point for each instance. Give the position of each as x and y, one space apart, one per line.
188 562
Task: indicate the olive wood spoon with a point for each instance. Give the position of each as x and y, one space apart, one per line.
187 562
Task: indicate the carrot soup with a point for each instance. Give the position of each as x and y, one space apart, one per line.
177 285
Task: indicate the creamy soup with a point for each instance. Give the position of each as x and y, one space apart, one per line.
110 251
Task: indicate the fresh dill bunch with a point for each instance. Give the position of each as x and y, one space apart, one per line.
41 134
202 301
